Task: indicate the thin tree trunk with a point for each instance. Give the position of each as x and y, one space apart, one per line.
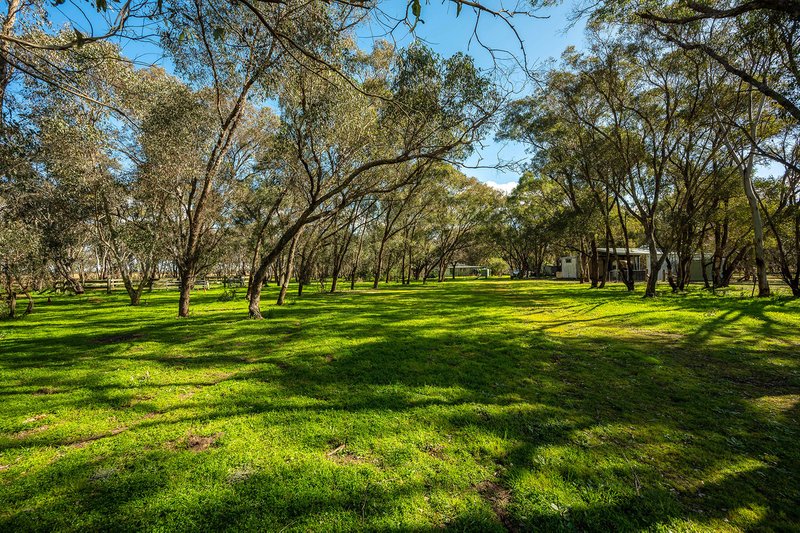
186 282
6 70
594 266
288 274
356 260
758 229
655 267
378 264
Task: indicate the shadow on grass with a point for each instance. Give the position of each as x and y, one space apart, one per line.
626 428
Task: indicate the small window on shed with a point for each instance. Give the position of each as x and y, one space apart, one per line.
568 260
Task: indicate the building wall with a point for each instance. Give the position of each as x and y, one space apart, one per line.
569 270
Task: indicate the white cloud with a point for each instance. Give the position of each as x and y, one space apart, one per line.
505 188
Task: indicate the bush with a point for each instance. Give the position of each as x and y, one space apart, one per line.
498 266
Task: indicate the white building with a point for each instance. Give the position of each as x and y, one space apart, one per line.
614 262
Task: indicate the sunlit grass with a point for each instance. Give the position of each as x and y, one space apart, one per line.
485 405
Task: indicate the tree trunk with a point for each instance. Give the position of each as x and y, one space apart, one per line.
388 267
670 276
442 263
378 265
11 302
29 308
758 229
628 276
253 263
187 281
356 260
6 71
403 266
655 267
288 274
254 307
334 282
604 275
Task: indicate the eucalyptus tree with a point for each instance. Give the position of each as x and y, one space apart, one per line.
699 167
727 33
756 45
644 90
88 158
528 227
70 159
459 216
559 124
260 193
742 117
780 203
20 262
137 207
341 141
353 222
227 48
726 227
397 211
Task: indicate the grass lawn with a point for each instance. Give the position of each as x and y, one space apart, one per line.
478 405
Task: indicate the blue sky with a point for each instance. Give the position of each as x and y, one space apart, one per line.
542 38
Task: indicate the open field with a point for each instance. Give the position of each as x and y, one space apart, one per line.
480 405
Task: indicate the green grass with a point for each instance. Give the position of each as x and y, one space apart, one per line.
481 405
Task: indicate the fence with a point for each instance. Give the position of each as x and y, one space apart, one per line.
111 284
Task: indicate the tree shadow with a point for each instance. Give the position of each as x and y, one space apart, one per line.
625 429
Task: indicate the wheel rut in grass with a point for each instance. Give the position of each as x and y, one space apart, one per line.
499 498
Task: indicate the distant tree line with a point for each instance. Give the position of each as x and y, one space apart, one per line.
677 129
278 149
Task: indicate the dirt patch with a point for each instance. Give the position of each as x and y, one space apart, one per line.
45 390
4 467
28 432
80 443
199 443
329 358
219 377
499 498
347 458
35 418
435 450
340 455
188 394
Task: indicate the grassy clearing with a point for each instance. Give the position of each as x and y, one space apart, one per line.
486 405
